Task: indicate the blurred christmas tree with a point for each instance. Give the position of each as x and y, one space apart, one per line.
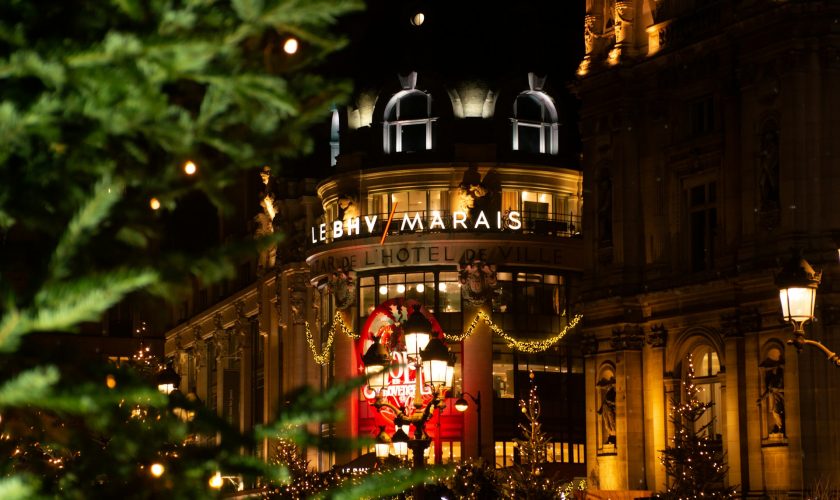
696 463
111 114
527 479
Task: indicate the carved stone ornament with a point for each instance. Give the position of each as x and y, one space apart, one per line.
179 343
740 322
589 345
297 298
631 337
200 352
624 13
478 283
218 324
221 344
658 336
342 286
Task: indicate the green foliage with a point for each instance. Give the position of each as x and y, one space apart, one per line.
696 463
102 103
476 480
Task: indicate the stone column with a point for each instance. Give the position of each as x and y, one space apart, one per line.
345 367
629 408
477 369
656 407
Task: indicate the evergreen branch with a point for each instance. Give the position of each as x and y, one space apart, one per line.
388 483
23 487
61 306
92 213
28 387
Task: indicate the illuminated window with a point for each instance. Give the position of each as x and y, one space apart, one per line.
334 144
408 122
707 379
504 453
534 123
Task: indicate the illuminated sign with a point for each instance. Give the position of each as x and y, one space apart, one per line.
369 225
385 323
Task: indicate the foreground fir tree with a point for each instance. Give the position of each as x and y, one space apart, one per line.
103 104
696 463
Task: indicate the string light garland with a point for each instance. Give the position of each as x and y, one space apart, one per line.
529 346
323 357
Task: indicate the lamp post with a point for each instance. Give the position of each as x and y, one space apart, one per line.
797 283
167 380
462 405
433 367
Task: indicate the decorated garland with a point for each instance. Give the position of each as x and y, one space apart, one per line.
324 357
528 346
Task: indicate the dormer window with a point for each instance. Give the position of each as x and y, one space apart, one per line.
408 122
334 141
534 123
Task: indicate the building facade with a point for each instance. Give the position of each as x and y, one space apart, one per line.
461 196
708 137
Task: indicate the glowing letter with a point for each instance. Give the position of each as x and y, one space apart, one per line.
513 220
482 219
370 222
436 221
412 223
313 236
323 232
353 225
338 229
459 218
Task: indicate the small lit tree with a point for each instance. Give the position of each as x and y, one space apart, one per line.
526 480
695 464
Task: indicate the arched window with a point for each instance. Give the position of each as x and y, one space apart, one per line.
334 147
534 123
707 379
408 122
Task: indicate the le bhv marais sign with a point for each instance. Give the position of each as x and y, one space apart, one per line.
338 229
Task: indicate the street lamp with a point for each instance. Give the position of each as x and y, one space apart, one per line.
400 442
797 283
431 360
167 379
462 405
383 444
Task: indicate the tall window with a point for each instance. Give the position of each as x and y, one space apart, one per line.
707 380
408 122
334 144
702 220
534 123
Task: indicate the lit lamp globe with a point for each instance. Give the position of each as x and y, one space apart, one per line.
167 379
400 442
435 362
382 447
450 371
376 361
797 283
461 405
416 332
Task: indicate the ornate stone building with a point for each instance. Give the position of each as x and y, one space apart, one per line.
463 196
708 137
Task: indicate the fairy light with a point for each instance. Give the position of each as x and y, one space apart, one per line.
323 357
154 203
190 168
157 469
110 381
290 46
528 346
